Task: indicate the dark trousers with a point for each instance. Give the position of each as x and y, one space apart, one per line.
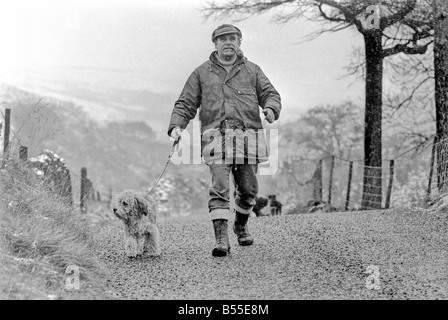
246 184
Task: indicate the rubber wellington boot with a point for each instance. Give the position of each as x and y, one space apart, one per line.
222 247
241 229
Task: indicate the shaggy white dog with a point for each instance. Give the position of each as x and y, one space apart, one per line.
138 214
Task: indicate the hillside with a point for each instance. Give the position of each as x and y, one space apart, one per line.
104 94
42 237
117 155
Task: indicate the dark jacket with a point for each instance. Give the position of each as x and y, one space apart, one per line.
235 96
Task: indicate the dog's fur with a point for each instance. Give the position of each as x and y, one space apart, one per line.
138 214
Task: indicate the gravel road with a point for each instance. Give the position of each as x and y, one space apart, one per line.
307 256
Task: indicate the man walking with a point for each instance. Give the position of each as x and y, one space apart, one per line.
228 90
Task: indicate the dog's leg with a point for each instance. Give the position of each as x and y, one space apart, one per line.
152 242
140 240
131 244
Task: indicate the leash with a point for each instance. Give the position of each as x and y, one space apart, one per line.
166 166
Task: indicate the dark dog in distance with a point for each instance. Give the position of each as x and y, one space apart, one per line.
262 202
276 206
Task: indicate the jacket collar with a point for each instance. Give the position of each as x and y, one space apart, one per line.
239 59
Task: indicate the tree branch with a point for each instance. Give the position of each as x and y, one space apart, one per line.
326 17
345 11
411 96
350 16
403 48
388 21
243 7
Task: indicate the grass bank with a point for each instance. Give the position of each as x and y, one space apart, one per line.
42 239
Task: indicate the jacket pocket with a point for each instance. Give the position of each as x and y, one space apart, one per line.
247 95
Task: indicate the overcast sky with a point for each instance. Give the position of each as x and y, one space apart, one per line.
165 41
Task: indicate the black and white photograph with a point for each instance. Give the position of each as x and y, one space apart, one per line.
221 158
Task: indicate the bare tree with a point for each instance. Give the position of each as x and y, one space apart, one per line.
324 131
409 113
389 27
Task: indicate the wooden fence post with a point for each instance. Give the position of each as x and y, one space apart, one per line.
349 185
23 153
84 190
330 184
6 136
389 187
98 197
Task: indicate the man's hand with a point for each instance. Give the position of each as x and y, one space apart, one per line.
176 133
269 115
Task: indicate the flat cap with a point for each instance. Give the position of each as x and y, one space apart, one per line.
225 29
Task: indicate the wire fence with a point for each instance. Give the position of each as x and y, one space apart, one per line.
411 179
